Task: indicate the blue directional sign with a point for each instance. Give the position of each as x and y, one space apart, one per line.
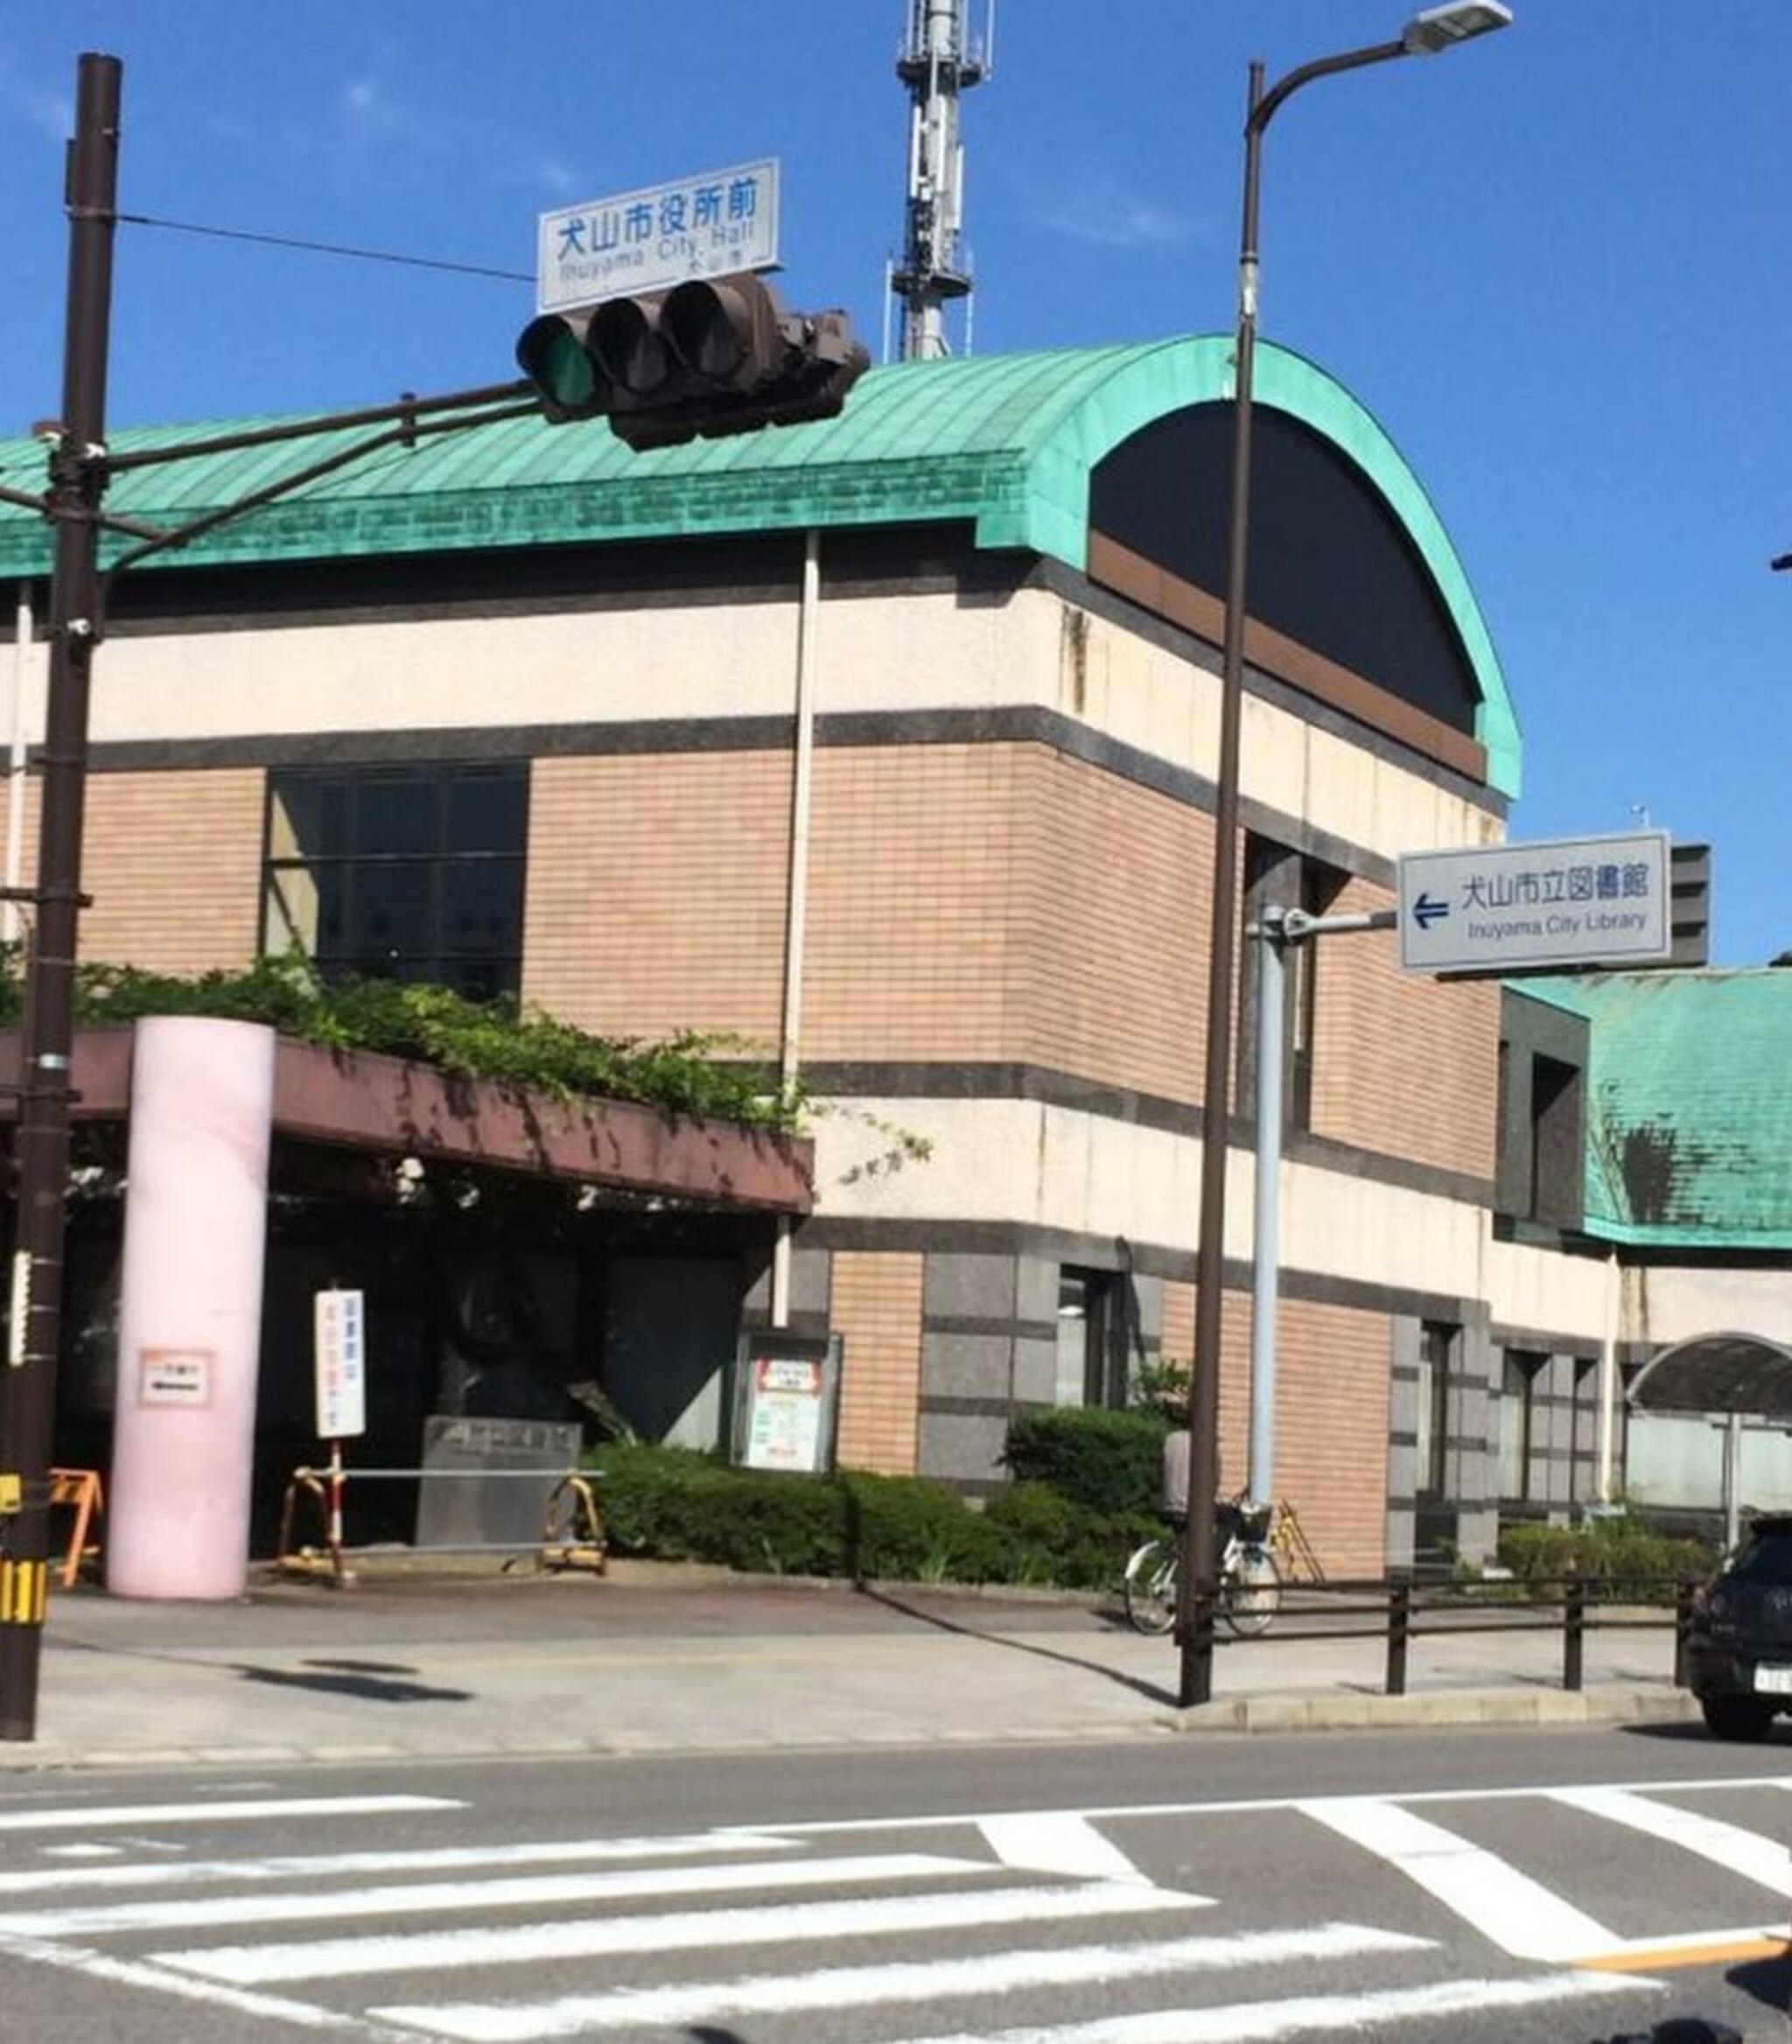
1570 902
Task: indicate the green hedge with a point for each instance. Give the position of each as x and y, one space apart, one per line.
1620 1555
671 1505
1108 1463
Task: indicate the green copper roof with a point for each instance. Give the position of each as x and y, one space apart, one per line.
1689 1120
1005 442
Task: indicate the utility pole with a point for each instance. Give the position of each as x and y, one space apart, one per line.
77 483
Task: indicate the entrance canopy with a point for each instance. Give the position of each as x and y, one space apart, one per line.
1743 1373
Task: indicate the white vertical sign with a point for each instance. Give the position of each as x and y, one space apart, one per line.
341 1365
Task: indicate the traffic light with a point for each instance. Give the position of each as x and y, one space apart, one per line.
705 357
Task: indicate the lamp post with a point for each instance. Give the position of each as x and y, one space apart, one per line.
1428 32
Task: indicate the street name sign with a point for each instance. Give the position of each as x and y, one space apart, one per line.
1565 903
716 225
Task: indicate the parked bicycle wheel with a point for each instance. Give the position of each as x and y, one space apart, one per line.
1252 1595
1149 1587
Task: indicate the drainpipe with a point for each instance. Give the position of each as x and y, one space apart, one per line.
1608 1378
796 895
15 764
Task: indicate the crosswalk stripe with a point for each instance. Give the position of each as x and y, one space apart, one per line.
432 1898
860 1987
80 1818
421 1859
1240 1806
1762 1860
1050 1841
1264 2022
697 1930
1517 1914
264 2008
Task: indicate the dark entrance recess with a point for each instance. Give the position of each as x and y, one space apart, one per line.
1330 566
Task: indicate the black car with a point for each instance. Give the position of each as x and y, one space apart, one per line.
1740 1647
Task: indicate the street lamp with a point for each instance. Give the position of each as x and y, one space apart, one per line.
1433 30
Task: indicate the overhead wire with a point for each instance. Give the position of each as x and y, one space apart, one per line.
188 227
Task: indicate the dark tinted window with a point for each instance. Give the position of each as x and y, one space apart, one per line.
1768 1558
412 872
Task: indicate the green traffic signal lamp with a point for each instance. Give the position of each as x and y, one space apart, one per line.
552 355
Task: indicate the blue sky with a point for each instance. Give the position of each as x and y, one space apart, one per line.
1555 264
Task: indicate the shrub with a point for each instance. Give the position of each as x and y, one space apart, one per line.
1619 1556
673 1505
1108 1463
1053 1539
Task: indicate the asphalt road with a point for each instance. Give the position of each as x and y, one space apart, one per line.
1483 1889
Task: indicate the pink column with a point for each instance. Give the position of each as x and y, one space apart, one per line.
189 1309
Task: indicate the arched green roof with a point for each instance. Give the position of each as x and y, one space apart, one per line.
1004 442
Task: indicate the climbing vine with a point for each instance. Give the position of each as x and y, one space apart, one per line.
686 1074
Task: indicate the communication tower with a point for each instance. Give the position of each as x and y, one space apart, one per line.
938 61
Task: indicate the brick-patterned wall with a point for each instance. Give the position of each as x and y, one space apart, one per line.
911 884
1107 969
1402 1064
992 902
174 862
656 890
1332 1365
877 1306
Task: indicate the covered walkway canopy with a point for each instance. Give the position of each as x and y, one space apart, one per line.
1743 1373
1743 1376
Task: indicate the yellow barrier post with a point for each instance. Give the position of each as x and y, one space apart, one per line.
308 1561
579 1543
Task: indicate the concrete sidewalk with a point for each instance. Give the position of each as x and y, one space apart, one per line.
652 1661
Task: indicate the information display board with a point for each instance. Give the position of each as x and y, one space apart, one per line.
787 1401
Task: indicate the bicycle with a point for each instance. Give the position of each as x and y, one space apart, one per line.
1250 1582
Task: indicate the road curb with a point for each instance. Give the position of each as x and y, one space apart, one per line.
1552 1709
1609 1703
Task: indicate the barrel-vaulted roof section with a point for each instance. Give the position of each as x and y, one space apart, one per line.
1689 1112
1004 442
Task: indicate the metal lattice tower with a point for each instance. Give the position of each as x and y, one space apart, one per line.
937 63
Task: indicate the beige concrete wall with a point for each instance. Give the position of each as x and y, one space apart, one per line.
1089 1174
885 652
1663 1302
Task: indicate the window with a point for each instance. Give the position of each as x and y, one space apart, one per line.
1556 1164
1518 1380
1091 1361
1541 1131
410 873
1584 1467
1437 1347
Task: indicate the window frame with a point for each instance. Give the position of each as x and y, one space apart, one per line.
1523 1367
1432 1429
480 974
